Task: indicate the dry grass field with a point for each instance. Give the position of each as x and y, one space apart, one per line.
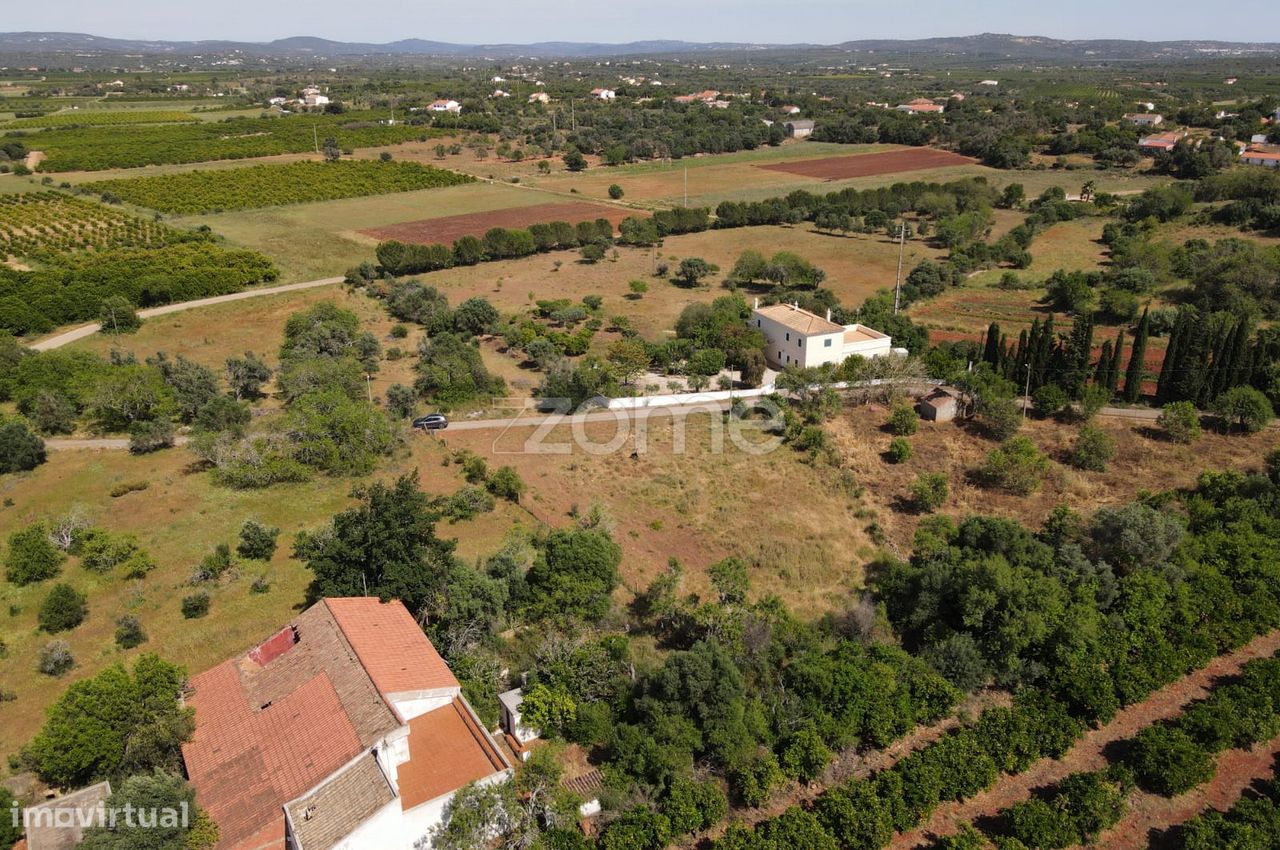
178 518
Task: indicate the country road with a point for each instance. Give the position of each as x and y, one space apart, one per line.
529 421
67 337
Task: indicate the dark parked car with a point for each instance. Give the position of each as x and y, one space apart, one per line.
432 422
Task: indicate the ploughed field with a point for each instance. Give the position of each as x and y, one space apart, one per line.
870 164
448 229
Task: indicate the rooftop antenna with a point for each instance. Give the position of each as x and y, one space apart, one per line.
897 282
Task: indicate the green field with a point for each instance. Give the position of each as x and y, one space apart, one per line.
272 185
100 118
98 148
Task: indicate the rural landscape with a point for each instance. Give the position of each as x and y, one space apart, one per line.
575 445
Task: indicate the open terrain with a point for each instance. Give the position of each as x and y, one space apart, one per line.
872 164
447 229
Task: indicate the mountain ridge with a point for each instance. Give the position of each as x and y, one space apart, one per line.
1000 45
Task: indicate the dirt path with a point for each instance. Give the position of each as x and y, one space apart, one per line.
1151 816
1087 754
853 765
66 337
34 158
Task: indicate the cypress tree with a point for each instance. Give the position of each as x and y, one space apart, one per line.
1113 371
1100 371
991 351
1164 386
1137 368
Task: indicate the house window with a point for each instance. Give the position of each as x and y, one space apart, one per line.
826 343
788 337
757 323
800 343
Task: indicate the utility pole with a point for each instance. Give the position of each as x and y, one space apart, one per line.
686 186
573 115
897 283
315 136
368 381
1026 390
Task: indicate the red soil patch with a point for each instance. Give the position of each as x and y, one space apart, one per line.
1151 818
1087 754
449 228
871 164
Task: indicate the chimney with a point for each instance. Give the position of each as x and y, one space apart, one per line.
828 314
756 306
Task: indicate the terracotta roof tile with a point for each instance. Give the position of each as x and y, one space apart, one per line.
800 320
447 749
391 645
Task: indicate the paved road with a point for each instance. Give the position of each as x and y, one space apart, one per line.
66 337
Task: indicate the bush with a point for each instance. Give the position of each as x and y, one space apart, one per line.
195 606
102 552
1180 422
1017 465
56 658
145 437
754 780
1165 760
62 610
32 556
257 541
129 632
1093 450
127 487
1049 399
1245 408
506 483
1002 417
20 448
929 491
899 450
118 315
615 192
904 421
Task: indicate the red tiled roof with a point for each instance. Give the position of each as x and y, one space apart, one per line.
391 646
447 749
245 763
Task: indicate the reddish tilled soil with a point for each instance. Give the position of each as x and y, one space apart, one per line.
1088 753
452 227
1151 818
871 164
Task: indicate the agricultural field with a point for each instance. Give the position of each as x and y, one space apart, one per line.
65 254
93 149
38 223
269 185
100 118
448 229
872 164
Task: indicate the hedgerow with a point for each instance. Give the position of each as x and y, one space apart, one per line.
97 148
274 184
87 252
101 118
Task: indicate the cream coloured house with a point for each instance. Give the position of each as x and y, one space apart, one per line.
796 337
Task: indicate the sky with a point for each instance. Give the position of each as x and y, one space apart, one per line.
766 21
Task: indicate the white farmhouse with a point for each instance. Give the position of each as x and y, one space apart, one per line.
796 337
445 105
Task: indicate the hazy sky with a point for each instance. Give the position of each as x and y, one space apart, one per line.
819 21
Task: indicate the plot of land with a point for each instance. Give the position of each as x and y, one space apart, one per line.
452 227
871 164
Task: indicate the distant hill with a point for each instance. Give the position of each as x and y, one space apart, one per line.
985 45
